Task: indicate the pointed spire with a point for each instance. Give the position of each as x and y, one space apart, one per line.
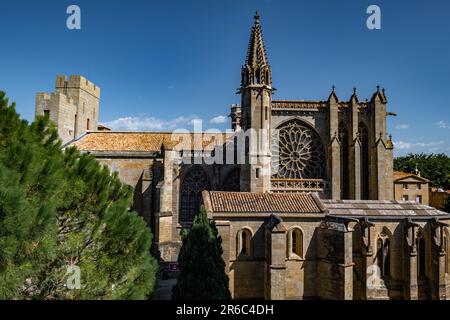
354 96
380 95
333 94
256 54
256 69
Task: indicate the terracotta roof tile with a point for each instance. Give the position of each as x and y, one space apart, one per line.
398 175
143 141
246 202
390 208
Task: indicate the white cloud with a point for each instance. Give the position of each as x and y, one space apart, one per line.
152 123
402 126
411 145
443 125
219 119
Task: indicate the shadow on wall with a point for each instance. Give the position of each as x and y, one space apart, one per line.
248 270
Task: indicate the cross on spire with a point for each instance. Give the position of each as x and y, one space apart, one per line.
256 17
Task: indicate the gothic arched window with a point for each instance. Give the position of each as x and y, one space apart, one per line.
295 243
364 138
421 254
192 185
298 152
384 255
244 242
232 181
343 138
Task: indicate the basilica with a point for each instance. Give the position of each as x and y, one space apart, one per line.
308 212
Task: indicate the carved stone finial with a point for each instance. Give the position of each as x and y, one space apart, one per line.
378 88
256 17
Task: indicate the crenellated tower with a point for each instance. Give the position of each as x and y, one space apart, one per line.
73 107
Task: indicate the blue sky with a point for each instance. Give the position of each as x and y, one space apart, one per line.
161 64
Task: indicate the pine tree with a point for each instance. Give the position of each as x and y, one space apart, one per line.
202 270
98 233
30 172
59 209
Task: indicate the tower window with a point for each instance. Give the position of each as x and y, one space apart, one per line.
75 126
87 124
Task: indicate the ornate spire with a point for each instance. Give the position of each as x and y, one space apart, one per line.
256 69
380 95
354 96
256 54
333 94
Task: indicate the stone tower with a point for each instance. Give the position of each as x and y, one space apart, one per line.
73 107
256 104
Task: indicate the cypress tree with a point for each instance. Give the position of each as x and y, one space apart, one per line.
202 270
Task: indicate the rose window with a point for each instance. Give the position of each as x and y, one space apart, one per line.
297 152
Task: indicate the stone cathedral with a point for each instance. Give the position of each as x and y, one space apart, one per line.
308 216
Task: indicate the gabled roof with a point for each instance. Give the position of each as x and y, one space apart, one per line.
111 141
399 176
248 202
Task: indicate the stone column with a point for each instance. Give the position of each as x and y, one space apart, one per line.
334 147
147 195
381 185
355 154
275 286
165 214
367 255
438 256
410 260
335 254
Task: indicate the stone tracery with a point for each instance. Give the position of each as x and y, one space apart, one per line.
298 151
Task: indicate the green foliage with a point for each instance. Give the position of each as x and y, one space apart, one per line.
435 167
97 233
30 173
62 208
202 270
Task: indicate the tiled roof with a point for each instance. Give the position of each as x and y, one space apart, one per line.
143 141
398 175
246 202
391 208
